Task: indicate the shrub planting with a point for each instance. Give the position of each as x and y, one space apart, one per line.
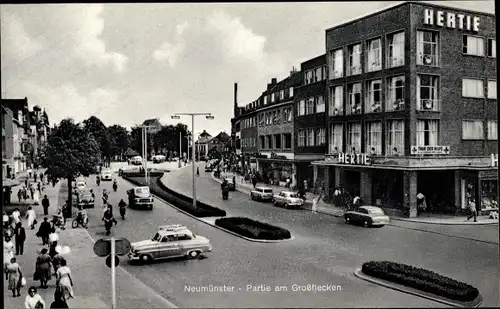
141 174
253 229
180 201
421 279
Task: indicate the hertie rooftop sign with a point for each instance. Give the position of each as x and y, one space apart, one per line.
451 20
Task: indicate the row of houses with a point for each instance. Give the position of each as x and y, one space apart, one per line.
24 131
403 100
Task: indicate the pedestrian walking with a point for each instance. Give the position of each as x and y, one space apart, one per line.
8 251
45 205
36 197
41 177
64 280
32 191
356 202
421 203
197 171
315 204
20 237
254 181
44 231
26 182
53 239
39 187
35 175
472 209
33 299
25 193
42 268
59 301
56 262
16 216
14 276
19 194
31 216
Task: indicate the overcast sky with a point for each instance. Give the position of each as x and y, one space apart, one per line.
128 62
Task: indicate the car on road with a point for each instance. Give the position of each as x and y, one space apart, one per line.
128 169
288 199
137 160
367 216
262 194
232 185
85 199
170 241
106 175
159 159
140 198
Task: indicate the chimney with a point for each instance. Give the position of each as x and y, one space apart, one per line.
292 71
235 99
274 81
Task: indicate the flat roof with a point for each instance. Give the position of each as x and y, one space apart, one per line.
395 6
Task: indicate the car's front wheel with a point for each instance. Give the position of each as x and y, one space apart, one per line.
285 205
347 220
146 258
194 254
366 223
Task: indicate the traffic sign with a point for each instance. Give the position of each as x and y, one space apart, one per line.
122 246
102 247
108 261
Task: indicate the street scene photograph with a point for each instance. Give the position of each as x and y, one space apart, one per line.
250 155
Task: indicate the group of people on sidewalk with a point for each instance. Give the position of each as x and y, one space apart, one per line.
48 258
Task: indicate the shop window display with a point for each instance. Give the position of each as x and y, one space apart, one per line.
489 194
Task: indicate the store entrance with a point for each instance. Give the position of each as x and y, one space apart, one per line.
352 182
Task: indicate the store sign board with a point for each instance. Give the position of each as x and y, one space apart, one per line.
451 20
430 150
349 158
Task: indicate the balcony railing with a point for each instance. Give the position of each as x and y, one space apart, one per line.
397 105
354 109
428 60
373 107
429 105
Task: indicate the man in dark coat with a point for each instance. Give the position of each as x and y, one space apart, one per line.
20 237
44 231
45 205
254 181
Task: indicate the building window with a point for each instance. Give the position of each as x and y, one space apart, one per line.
492 130
472 88
336 101
492 89
277 115
287 140
353 99
284 112
310 106
473 45
309 77
320 137
290 92
336 63
395 138
373 138
472 129
353 136
395 93
277 141
269 140
492 48
301 141
272 97
290 114
320 104
427 93
265 100
354 60
396 47
301 108
282 94
335 141
262 142
310 137
318 74
374 55
428 48
427 132
373 103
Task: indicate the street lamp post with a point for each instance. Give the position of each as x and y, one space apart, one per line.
145 151
180 147
208 116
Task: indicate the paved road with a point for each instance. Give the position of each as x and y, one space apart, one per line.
458 252
238 263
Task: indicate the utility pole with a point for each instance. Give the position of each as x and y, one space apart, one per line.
145 151
208 116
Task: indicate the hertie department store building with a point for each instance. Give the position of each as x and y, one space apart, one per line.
412 108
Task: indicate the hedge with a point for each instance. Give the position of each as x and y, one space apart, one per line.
180 201
253 229
421 279
139 174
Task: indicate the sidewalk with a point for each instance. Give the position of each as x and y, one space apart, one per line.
322 207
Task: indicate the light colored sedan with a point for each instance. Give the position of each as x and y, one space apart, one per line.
368 216
288 199
262 194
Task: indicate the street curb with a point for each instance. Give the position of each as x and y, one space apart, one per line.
443 222
401 288
218 227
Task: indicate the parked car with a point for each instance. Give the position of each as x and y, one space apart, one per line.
85 199
159 159
106 175
78 185
262 194
137 160
170 241
140 197
288 199
367 215
232 185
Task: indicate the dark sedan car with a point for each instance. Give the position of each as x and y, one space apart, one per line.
367 216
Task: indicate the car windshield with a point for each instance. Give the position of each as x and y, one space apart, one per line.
142 190
294 195
268 191
376 212
157 237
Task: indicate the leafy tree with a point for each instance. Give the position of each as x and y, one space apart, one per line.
96 127
119 140
70 152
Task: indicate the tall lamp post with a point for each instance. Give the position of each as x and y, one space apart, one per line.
145 151
208 116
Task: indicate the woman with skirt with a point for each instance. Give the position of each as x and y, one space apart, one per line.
42 268
64 280
8 253
14 276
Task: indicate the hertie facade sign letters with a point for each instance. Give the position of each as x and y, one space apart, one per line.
451 20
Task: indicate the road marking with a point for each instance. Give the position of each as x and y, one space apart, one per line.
144 285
